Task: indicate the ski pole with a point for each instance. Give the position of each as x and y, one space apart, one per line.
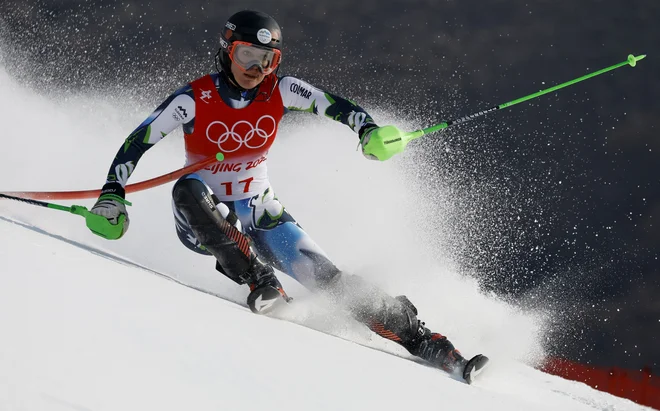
74 209
395 140
97 223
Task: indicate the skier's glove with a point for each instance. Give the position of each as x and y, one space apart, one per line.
381 143
108 218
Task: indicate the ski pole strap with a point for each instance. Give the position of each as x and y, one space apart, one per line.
116 198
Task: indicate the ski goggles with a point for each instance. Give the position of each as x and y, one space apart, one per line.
247 55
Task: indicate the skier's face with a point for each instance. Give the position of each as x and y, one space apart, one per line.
247 79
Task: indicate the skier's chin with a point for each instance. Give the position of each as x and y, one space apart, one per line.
249 81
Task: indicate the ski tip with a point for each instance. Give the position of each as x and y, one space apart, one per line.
474 367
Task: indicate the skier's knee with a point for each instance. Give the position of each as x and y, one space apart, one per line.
189 191
401 318
406 303
394 318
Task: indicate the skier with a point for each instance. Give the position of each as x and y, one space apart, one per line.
229 210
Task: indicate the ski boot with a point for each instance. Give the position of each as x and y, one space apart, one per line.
398 322
266 292
440 352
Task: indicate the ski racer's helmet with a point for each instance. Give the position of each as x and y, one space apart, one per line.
249 39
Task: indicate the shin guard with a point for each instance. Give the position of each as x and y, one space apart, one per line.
215 227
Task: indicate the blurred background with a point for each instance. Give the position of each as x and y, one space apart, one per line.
559 197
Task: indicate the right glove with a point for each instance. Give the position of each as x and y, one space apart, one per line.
108 218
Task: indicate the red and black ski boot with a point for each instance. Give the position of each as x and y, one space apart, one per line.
266 292
437 350
399 323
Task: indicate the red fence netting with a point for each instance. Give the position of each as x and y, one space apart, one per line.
640 386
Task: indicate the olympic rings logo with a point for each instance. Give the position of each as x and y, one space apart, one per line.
242 133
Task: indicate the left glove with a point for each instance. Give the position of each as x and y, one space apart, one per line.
381 143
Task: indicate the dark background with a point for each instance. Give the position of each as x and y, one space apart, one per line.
559 196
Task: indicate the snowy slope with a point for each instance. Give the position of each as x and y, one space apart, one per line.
83 327
84 332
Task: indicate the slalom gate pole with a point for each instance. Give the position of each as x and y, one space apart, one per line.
131 188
